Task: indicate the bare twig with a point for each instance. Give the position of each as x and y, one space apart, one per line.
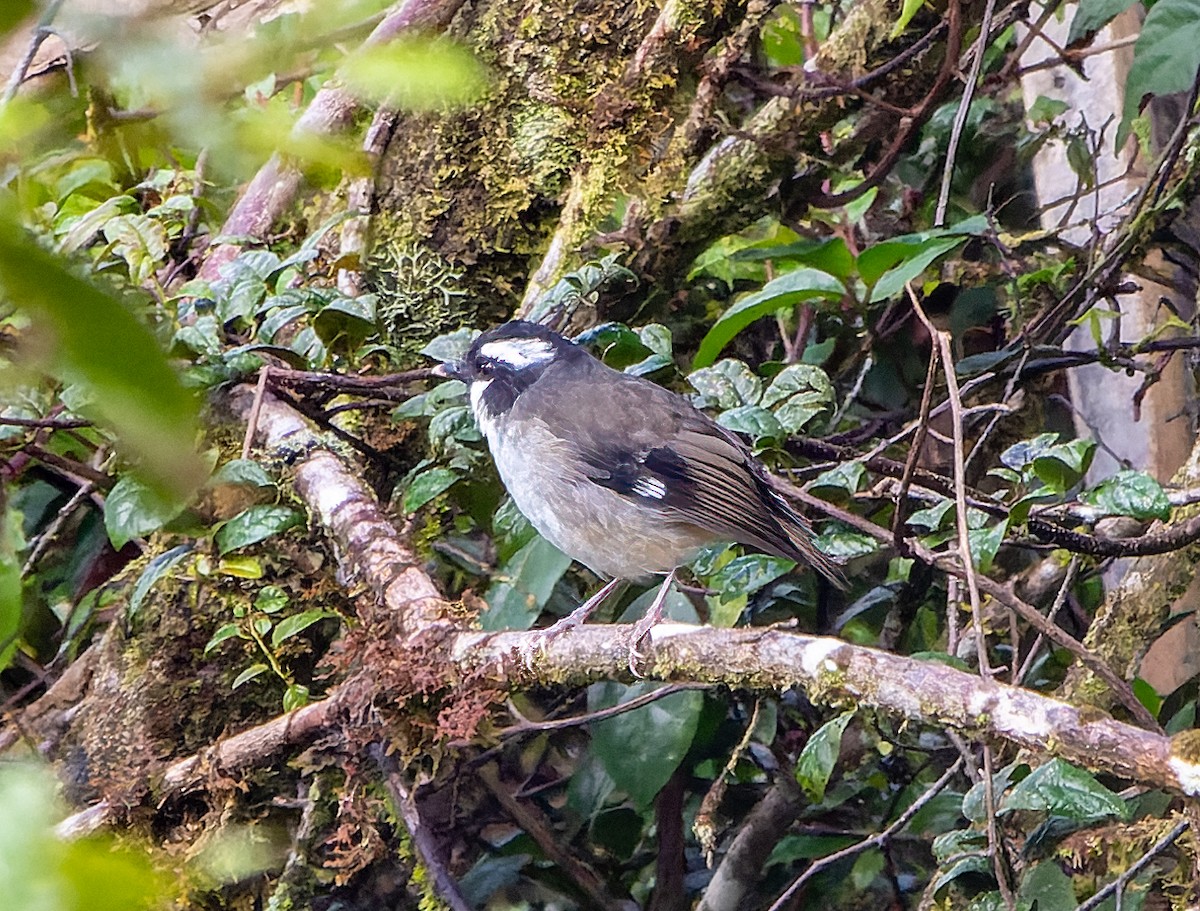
874 841
960 117
1118 885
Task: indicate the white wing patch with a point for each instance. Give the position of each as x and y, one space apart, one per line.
519 352
650 487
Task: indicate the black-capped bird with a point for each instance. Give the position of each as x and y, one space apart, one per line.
626 477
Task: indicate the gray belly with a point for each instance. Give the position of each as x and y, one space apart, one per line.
603 530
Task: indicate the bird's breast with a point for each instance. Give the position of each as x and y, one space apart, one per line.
607 532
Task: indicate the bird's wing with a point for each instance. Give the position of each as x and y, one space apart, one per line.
647 443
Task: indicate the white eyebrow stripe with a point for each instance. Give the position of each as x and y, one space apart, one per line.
519 352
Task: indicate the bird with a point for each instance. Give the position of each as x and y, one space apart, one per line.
619 473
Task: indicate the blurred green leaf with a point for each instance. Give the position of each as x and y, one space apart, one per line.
426 486
243 473
1165 59
348 321
1130 493
13 12
985 544
886 267
1093 15
228 631
99 343
641 749
255 524
295 697
11 542
1062 789
297 623
521 587
1018 455
254 670
789 289
1046 887
134 509
417 74
41 872
155 570
842 481
817 760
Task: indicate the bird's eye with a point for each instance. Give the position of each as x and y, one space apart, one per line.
484 366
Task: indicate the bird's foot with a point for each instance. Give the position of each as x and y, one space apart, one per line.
641 630
538 640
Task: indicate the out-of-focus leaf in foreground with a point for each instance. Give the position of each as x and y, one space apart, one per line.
100 344
40 871
416 74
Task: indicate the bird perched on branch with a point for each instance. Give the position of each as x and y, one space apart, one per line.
620 474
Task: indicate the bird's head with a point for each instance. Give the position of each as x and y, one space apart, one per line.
503 362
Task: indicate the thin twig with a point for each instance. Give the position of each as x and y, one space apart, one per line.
960 117
1125 878
874 841
260 389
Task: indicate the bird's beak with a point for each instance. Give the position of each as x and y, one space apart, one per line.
447 371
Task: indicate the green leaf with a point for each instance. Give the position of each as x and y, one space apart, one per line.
348 321
1130 493
844 543
1063 790
907 10
789 289
641 749
1046 887
1021 454
155 570
752 420
11 543
295 697
799 393
271 599
1147 695
99 343
134 509
1093 15
521 587
1165 59
933 518
249 674
887 266
139 240
297 623
452 346
845 478
242 473
746 575
819 756
44 872
985 543
13 12
228 631
426 486
255 524
727 384
418 74
1061 467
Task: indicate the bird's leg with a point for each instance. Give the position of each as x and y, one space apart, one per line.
647 623
541 638
581 613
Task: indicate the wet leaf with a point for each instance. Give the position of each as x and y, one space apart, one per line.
255 524
817 760
641 749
